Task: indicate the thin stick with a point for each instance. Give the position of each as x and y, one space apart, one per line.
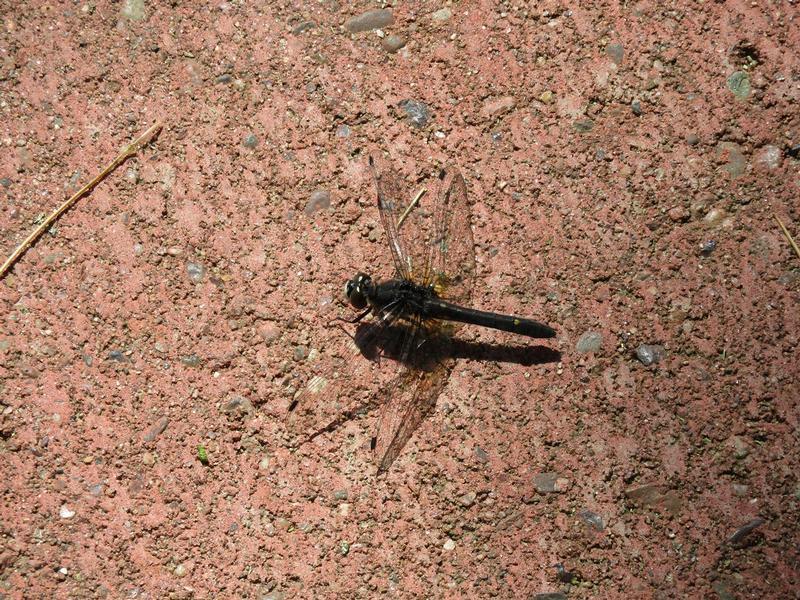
788 235
411 205
126 153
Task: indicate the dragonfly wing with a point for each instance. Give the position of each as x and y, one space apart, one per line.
415 396
410 224
391 202
411 395
454 250
332 394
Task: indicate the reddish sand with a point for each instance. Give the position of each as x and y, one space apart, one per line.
625 166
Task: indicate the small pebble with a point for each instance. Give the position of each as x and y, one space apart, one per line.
649 354
708 247
692 139
498 106
636 107
678 214
148 459
191 360
250 141
443 14
732 158
449 545
739 446
304 26
133 10
117 355
417 112
591 341
156 429
196 271
65 512
739 84
180 570
342 131
550 482
616 52
739 489
592 519
770 157
237 404
392 43
319 200
563 575
715 216
269 332
745 530
481 454
468 499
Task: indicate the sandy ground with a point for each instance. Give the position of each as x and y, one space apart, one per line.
625 164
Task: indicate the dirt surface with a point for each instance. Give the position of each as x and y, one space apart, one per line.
625 165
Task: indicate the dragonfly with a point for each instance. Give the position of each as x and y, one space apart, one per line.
416 312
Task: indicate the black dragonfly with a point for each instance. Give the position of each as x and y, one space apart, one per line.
419 310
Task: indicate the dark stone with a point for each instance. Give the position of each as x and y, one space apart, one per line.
372 19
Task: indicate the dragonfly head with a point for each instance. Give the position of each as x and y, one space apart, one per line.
357 290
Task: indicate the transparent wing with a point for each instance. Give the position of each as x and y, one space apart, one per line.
339 370
412 394
410 228
391 199
454 248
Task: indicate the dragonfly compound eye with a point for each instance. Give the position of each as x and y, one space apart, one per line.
355 291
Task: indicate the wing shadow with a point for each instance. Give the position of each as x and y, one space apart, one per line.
432 352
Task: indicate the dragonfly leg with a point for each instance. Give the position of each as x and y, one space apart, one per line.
351 321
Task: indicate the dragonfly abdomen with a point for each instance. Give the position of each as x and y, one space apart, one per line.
441 309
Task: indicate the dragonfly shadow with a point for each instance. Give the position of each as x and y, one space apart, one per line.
435 349
427 357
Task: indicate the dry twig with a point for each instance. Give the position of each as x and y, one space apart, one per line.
126 153
410 206
788 235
